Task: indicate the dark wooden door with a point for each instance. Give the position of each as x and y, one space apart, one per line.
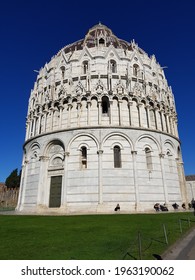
55 191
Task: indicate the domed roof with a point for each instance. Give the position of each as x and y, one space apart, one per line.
100 70
100 35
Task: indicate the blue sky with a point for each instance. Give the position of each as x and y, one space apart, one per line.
32 31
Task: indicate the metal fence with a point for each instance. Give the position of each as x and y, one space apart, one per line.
144 246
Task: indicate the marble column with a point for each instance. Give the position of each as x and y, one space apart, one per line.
65 180
100 186
119 112
78 113
156 118
42 187
23 181
110 113
139 107
161 120
161 155
167 123
60 120
148 115
69 114
27 129
135 175
99 112
130 117
33 126
88 111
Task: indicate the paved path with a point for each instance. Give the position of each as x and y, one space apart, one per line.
183 249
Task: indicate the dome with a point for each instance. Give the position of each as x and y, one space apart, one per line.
100 35
103 65
101 130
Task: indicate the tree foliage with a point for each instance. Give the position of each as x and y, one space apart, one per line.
13 180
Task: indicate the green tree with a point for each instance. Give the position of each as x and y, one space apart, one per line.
13 180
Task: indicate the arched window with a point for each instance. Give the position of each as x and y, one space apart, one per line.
105 105
148 155
113 66
170 161
63 72
135 69
85 67
179 153
117 157
83 157
101 42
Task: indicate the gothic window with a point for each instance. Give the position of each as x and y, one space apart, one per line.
152 118
101 42
179 153
63 72
135 69
32 127
113 66
105 105
41 125
148 155
85 67
83 157
117 157
168 99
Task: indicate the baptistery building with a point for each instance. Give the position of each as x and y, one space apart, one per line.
101 130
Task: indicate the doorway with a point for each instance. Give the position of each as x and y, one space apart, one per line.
55 191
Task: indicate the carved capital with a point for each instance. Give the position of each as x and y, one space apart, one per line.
61 106
43 158
70 106
100 152
161 155
88 93
179 161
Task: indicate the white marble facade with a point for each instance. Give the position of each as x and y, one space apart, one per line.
190 186
101 129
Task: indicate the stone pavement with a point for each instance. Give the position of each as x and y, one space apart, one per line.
183 249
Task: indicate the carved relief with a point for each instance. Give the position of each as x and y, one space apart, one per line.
79 89
119 88
99 88
138 89
62 91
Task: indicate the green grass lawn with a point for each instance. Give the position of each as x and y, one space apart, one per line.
90 237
